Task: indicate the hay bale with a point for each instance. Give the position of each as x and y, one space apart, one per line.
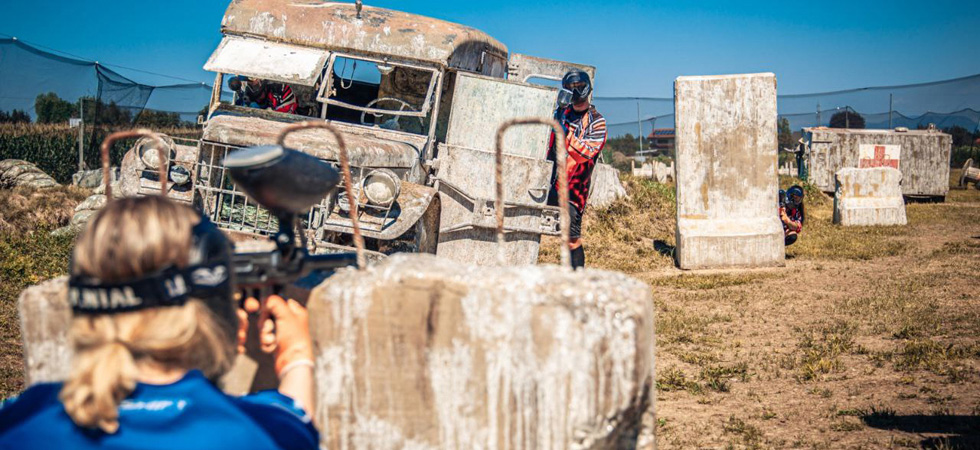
423 352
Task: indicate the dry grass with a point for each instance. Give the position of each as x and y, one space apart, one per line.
869 338
621 236
29 254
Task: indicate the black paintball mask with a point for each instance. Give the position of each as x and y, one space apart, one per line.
208 277
578 83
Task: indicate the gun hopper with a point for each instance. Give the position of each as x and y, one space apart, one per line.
286 182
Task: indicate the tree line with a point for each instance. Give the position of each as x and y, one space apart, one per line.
49 108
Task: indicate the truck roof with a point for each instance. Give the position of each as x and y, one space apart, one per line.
378 31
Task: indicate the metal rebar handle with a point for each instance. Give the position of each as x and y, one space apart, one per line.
561 156
162 148
345 170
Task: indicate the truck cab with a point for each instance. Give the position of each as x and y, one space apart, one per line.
418 101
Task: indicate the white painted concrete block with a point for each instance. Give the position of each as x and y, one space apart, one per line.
422 352
727 180
869 197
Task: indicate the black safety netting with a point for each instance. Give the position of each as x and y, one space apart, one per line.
56 91
945 104
49 88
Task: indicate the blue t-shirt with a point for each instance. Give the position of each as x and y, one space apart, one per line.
189 414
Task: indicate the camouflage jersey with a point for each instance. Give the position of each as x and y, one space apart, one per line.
585 135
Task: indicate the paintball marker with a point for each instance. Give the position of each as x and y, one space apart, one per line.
286 182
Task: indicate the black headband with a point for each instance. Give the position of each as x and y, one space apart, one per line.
169 287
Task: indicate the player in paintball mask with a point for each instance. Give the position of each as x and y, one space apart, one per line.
261 94
154 325
791 213
585 135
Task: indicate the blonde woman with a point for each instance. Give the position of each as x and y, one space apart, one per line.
154 325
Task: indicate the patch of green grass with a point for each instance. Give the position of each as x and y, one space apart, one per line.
905 310
748 434
677 325
674 379
966 247
845 426
822 240
718 378
707 282
819 351
938 358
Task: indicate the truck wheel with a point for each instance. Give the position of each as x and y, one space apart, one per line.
427 228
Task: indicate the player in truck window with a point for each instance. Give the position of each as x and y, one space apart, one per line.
256 93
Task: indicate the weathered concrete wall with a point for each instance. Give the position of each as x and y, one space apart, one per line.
923 160
726 172
425 353
606 187
869 197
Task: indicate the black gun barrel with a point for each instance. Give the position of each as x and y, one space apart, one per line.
258 269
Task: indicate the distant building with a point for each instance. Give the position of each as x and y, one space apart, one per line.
661 139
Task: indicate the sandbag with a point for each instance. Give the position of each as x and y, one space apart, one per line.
17 172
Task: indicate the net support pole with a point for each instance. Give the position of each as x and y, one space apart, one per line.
890 104
81 134
639 126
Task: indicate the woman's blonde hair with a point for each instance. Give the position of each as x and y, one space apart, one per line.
130 238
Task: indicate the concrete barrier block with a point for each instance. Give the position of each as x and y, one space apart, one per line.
426 353
869 197
606 187
727 184
44 321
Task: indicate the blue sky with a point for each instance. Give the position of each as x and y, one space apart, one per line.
638 47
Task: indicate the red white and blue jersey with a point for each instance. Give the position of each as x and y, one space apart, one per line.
585 135
795 216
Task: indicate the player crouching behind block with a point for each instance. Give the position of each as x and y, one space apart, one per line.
791 213
154 325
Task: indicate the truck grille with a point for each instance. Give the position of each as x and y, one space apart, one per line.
231 209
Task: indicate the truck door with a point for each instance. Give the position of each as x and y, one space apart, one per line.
465 176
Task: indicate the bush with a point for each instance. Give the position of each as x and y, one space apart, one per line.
961 154
54 147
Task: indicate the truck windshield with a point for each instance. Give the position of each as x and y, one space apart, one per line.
376 93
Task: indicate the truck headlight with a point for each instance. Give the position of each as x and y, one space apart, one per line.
148 153
381 187
180 175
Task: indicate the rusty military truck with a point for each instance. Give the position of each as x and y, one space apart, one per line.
418 101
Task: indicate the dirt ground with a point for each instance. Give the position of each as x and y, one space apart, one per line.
868 338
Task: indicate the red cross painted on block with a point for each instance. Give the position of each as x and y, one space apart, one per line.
880 159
